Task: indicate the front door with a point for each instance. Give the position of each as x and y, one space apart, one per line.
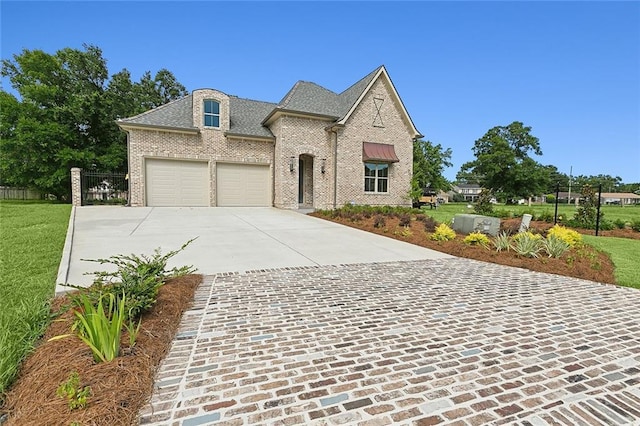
300 181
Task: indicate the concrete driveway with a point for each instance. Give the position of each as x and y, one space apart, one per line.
228 240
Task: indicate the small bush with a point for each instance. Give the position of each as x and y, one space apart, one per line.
443 233
527 234
356 217
620 224
430 224
420 217
550 199
502 242
379 221
137 278
404 219
606 225
503 213
555 246
477 238
546 216
569 236
635 225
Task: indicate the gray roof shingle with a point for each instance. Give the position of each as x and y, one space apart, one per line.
247 116
177 114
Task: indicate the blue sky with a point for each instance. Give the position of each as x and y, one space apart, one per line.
570 70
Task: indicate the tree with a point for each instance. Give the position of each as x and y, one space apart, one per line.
503 164
66 115
429 161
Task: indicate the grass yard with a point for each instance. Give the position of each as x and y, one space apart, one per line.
625 254
31 245
445 212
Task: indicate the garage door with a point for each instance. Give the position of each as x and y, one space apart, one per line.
243 185
177 183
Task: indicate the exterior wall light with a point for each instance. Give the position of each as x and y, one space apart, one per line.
323 165
292 164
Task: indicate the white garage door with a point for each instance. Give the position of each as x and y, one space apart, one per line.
243 185
177 183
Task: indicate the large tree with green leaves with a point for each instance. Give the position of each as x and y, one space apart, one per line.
429 161
504 164
65 116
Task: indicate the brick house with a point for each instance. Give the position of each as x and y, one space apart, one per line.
313 149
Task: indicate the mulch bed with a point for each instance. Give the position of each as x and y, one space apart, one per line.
119 389
585 263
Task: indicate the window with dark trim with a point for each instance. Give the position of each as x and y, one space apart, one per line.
376 177
211 113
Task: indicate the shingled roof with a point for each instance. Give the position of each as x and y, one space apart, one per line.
176 114
247 116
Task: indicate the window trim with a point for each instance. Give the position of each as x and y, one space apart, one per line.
210 114
377 178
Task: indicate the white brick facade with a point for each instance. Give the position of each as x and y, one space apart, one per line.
333 175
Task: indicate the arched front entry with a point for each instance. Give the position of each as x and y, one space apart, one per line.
305 181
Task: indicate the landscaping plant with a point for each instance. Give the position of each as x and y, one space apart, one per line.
477 238
569 236
555 246
137 278
70 389
443 233
99 329
527 244
502 242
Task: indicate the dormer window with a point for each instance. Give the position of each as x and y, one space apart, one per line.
211 113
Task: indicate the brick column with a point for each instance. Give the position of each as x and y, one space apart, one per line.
76 187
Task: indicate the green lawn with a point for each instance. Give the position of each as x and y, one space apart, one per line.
445 212
31 245
625 254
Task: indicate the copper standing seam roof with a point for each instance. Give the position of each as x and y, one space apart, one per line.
379 152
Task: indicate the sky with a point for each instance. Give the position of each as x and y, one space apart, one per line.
569 70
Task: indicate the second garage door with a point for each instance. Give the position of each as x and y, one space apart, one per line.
177 183
241 185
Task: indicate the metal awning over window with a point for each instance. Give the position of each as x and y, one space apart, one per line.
379 152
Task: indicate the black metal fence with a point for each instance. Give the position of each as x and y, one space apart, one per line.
104 188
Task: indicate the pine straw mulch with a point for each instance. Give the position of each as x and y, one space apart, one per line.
585 262
119 389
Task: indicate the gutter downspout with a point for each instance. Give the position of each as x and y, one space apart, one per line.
335 171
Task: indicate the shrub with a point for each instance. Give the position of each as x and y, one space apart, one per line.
430 224
635 225
356 217
137 278
404 219
555 246
477 238
586 213
619 223
420 217
550 199
546 216
379 221
501 242
527 244
443 233
569 236
483 204
503 213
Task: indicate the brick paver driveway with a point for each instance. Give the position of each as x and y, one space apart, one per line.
448 341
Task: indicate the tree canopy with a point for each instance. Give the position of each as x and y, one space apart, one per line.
429 161
504 165
66 115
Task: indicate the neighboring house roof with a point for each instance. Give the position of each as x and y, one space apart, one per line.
249 117
468 186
